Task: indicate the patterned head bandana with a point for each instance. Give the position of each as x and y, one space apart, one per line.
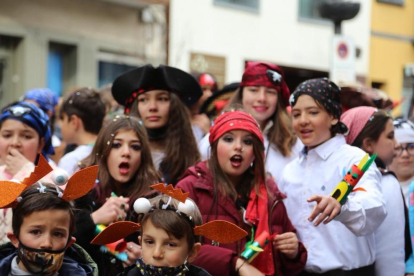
34 117
404 131
268 75
325 92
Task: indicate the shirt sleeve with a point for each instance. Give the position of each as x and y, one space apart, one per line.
364 210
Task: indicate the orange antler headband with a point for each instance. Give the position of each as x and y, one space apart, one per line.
77 186
220 231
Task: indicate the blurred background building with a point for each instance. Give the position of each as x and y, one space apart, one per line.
68 43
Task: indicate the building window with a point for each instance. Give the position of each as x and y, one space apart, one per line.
61 67
309 10
393 2
111 65
247 5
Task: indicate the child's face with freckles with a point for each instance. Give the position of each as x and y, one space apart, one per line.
162 249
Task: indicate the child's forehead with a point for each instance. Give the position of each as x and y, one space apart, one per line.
60 218
15 125
149 230
305 101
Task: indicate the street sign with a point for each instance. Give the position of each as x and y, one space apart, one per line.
343 59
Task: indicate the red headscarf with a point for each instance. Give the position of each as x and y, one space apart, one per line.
268 75
234 120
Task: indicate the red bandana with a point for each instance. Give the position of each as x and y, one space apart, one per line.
268 75
234 120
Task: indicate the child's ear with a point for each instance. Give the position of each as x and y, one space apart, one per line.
41 145
368 145
71 241
140 240
13 239
194 252
334 121
75 121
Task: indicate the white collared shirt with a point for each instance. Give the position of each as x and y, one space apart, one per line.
275 161
348 241
389 237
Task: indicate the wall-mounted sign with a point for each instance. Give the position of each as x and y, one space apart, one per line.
343 59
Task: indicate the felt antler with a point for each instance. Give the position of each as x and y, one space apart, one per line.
169 190
42 169
10 190
220 231
116 231
80 183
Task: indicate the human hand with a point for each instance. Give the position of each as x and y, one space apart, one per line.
327 206
287 243
115 208
245 269
202 121
134 252
14 161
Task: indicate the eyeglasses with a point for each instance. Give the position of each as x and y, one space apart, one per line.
409 148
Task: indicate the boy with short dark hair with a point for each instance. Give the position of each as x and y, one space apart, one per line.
81 116
41 241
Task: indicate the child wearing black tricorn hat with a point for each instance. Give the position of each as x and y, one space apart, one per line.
158 96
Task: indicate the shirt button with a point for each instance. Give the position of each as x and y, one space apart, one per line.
304 192
199 174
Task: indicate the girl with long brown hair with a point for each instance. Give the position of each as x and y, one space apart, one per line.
232 185
264 94
125 173
158 97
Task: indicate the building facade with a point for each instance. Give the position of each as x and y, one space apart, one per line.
391 66
70 43
221 35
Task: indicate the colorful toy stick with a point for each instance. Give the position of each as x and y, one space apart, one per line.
116 248
257 246
351 179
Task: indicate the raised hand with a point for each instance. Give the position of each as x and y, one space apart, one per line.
114 209
327 206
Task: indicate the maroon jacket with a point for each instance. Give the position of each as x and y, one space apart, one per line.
221 260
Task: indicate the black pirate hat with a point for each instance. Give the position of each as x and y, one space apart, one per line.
129 85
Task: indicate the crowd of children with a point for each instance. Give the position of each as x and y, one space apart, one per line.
254 187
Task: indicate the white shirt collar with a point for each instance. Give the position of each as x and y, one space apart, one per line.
327 148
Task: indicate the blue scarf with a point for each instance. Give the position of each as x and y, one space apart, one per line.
35 118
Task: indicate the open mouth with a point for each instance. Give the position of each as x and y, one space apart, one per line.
236 160
306 132
124 168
